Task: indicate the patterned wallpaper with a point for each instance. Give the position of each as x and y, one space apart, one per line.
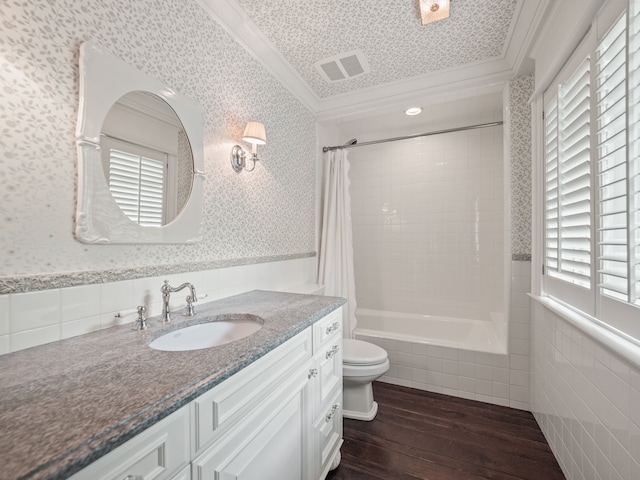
520 90
389 33
264 213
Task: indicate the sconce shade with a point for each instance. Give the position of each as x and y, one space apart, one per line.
254 133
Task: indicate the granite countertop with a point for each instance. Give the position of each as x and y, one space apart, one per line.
64 405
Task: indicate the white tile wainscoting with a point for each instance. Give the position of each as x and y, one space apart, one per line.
586 400
39 317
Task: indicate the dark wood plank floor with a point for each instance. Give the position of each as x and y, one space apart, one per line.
423 435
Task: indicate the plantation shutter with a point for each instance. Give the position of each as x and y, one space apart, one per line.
137 184
611 98
574 179
634 151
551 186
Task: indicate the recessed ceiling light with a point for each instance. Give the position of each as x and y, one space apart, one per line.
414 111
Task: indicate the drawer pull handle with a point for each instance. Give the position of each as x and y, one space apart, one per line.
332 328
332 413
133 477
332 352
313 372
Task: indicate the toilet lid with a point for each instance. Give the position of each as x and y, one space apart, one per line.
357 352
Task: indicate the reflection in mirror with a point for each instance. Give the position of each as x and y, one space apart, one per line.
140 156
146 158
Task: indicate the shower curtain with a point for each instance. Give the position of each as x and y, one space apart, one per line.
335 260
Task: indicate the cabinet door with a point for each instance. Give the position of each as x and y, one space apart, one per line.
328 434
218 411
272 444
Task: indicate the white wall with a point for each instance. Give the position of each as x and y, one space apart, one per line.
52 286
268 212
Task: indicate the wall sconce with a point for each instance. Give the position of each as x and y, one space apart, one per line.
255 134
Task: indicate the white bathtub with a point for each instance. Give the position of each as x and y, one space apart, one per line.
451 332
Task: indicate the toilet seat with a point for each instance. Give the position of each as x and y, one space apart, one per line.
357 352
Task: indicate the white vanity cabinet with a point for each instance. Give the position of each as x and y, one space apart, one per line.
279 418
327 392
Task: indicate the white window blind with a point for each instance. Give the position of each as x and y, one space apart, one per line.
596 114
573 182
551 186
634 151
611 138
137 184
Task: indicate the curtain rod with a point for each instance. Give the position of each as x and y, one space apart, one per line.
427 134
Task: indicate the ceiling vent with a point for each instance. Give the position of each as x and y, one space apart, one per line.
343 66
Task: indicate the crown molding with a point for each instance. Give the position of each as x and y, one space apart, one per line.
524 30
244 31
490 75
455 82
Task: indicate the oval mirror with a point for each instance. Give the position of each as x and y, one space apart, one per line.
140 156
146 158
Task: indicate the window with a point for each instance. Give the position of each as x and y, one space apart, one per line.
137 181
592 179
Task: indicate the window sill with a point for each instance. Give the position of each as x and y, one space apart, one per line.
617 342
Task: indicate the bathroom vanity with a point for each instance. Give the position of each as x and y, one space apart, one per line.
267 406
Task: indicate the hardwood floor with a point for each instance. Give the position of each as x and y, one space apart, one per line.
423 435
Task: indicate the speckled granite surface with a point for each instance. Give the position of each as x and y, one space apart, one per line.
66 404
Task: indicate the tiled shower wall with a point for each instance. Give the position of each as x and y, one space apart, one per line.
428 224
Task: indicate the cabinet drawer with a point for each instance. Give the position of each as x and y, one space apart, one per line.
328 433
220 408
325 329
328 366
157 453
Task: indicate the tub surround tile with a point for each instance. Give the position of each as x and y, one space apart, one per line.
77 374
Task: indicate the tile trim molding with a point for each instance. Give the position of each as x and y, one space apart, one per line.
520 257
47 281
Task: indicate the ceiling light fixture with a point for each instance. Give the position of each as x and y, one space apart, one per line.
433 10
413 111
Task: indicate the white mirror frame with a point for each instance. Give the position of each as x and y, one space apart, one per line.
104 79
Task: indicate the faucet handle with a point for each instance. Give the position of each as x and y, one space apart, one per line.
141 321
189 310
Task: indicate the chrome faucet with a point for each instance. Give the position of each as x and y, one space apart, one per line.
166 290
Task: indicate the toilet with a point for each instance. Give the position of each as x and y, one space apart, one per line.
362 363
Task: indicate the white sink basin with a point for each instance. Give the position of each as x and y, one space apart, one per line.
217 331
